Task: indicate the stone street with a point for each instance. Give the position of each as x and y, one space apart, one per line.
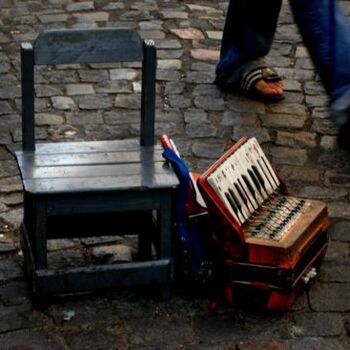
100 102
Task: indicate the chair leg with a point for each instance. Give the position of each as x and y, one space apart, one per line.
39 240
165 251
145 237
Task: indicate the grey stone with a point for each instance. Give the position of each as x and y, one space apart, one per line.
209 150
121 117
231 118
47 90
169 64
199 77
80 6
174 88
5 67
304 174
196 116
117 86
323 193
98 338
48 119
319 324
33 340
10 92
94 102
9 270
335 271
330 297
194 130
261 134
93 76
168 44
59 244
293 109
101 16
123 74
79 89
341 231
60 17
7 247
8 168
324 126
65 258
168 75
5 108
293 156
283 120
12 199
13 217
209 103
84 118
169 54
91 241
62 102
113 253
339 210
5 137
10 184
12 320
179 101
316 344
296 139
14 293
207 90
128 101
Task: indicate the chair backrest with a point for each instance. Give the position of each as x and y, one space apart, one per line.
70 46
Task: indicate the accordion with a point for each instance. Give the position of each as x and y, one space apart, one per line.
267 239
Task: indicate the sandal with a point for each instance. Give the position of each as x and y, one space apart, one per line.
247 84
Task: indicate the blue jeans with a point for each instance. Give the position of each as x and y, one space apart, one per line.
249 30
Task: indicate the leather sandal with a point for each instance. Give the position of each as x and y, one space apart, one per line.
247 84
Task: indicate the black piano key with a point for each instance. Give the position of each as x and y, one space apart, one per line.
241 194
236 200
232 203
256 182
250 198
260 178
250 188
267 175
272 175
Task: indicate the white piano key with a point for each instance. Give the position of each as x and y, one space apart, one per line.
214 182
254 157
230 178
244 166
257 148
234 175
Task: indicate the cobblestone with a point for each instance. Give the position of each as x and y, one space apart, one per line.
101 101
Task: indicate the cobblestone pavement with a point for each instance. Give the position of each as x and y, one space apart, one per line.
76 102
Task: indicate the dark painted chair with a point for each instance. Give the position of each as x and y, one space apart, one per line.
74 189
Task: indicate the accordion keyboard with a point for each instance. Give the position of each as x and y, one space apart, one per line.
248 186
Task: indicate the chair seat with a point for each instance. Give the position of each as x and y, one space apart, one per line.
95 166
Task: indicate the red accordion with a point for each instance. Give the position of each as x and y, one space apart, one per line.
268 241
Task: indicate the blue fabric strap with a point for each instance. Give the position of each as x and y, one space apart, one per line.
189 236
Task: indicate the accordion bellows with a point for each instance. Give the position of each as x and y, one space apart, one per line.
269 239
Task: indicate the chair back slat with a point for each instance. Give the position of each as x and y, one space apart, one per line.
27 76
69 46
103 45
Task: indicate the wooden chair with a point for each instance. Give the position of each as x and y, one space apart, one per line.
75 186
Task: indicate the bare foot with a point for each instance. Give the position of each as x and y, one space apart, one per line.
270 88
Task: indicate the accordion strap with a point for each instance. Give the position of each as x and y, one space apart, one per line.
189 235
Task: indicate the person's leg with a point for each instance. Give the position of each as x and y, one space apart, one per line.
326 33
248 33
